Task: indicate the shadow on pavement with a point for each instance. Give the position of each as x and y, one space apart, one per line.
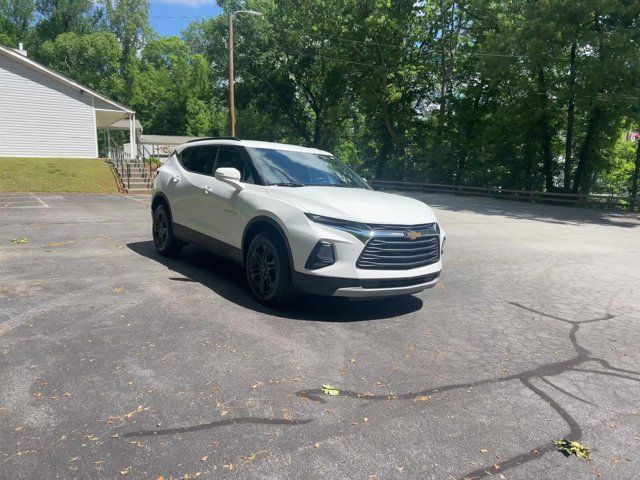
227 280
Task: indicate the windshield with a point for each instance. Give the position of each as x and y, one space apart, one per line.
302 169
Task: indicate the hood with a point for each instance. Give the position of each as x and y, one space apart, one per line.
356 204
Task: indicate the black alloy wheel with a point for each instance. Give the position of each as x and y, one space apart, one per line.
163 238
268 270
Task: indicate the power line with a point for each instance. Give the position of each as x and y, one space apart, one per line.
376 44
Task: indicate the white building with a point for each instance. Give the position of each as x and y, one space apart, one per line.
45 114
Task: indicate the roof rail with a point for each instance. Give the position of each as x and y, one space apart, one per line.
213 138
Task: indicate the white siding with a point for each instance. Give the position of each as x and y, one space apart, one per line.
41 117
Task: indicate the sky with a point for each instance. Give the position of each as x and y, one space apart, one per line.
159 10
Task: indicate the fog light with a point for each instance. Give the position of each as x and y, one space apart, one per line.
322 255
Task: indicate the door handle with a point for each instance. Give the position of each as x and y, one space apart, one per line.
207 190
175 178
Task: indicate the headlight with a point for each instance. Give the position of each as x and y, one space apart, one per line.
359 230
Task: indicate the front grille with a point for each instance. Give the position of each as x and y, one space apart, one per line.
391 248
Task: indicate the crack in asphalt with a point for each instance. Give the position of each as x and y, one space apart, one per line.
583 355
219 423
574 433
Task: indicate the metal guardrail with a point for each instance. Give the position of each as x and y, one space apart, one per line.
533 196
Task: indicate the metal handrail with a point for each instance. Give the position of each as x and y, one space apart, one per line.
129 176
526 195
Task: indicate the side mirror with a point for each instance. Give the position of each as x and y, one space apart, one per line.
230 176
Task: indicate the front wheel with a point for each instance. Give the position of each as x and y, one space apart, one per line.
163 239
268 270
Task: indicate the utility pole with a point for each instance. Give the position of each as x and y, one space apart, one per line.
232 100
232 106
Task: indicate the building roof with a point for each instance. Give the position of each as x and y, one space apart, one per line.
124 125
11 53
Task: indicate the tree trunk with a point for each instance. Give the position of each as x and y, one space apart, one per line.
581 180
319 130
586 158
443 73
634 179
570 119
546 136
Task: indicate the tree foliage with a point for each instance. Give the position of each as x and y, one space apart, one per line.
513 93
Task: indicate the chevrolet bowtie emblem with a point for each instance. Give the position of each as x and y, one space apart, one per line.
412 235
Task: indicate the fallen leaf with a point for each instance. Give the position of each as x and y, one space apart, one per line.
74 459
67 394
19 241
251 457
37 394
204 459
352 359
130 414
125 471
329 390
317 445
118 290
572 448
99 462
423 398
229 466
58 244
483 450
620 459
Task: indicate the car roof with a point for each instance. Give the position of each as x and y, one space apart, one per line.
251 144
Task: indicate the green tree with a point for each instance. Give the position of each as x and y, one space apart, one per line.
63 16
92 59
15 21
129 21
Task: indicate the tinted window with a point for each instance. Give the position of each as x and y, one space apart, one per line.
300 168
230 157
199 159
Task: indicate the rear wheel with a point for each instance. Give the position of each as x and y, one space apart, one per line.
163 239
268 270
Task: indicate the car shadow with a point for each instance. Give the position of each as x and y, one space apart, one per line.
227 280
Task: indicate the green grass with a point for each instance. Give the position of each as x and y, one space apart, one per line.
56 175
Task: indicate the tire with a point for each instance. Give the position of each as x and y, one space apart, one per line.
268 270
164 240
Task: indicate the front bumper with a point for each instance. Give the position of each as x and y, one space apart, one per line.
363 288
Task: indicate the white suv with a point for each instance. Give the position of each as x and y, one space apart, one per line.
296 219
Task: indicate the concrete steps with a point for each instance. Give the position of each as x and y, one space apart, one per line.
139 180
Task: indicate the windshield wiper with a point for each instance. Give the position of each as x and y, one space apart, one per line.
287 184
339 185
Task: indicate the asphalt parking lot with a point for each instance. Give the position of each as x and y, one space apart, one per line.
116 363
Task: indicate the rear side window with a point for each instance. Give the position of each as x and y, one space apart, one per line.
230 157
199 159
